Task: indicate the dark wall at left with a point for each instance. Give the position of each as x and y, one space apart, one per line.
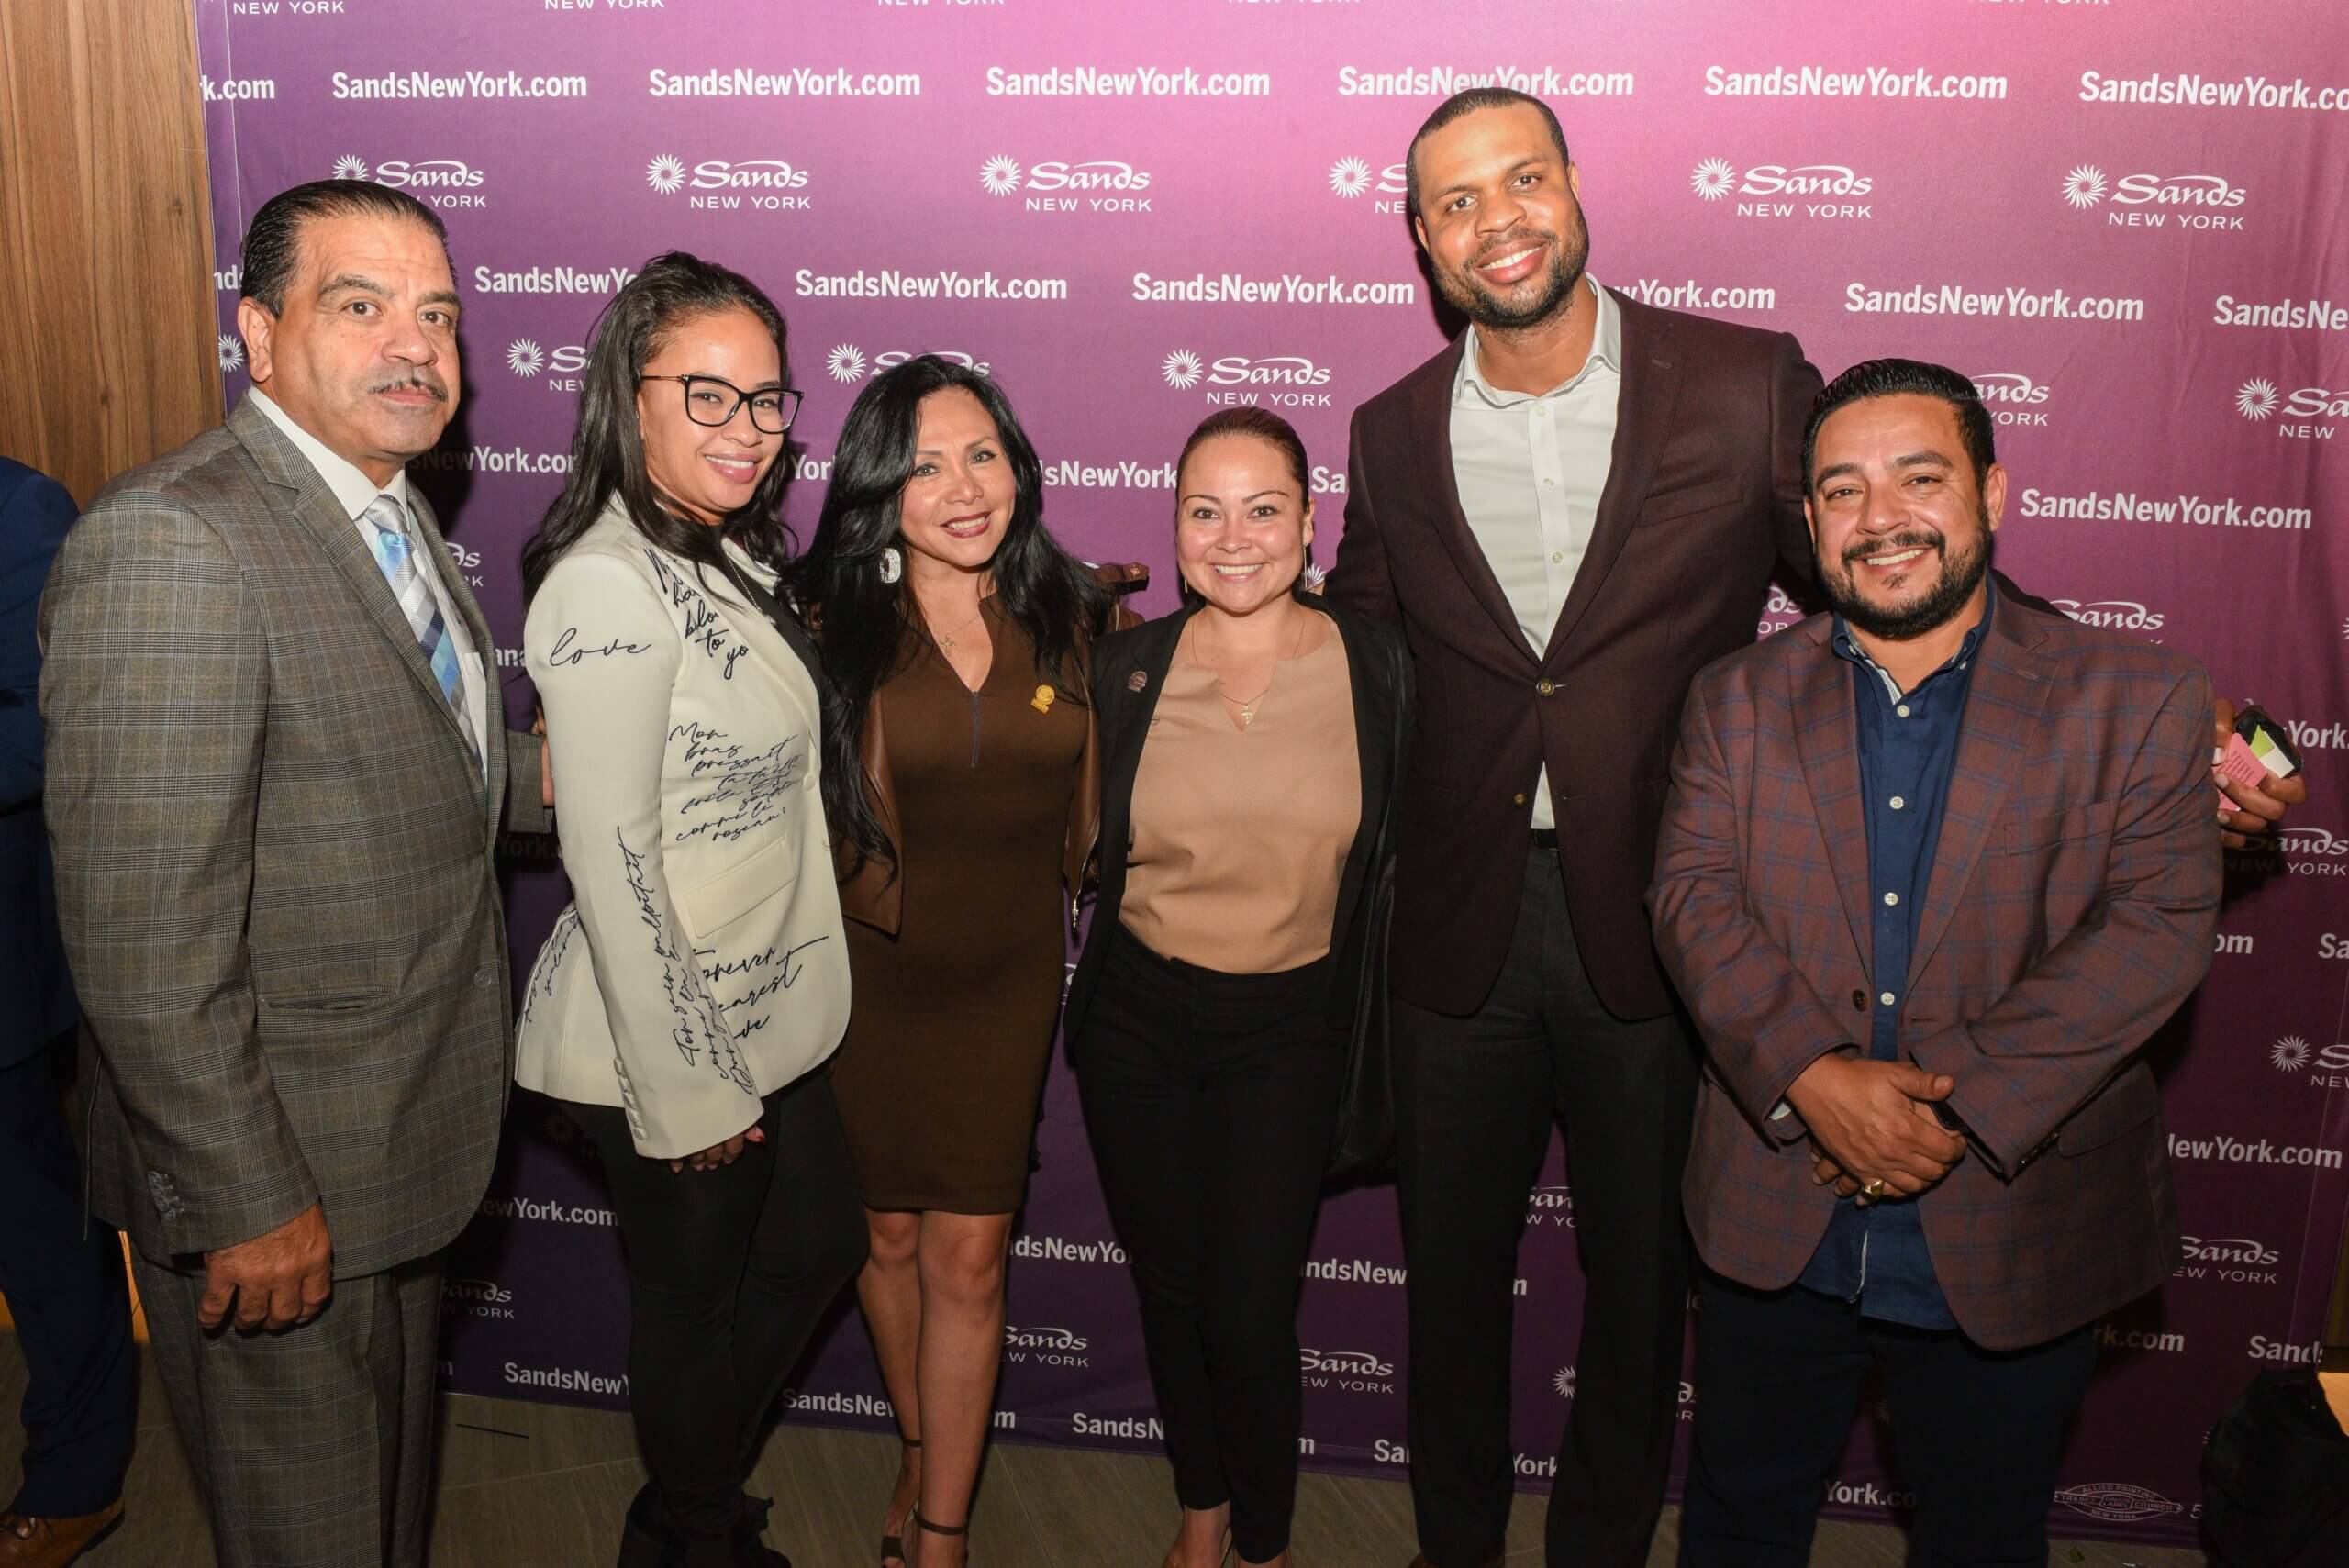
105 238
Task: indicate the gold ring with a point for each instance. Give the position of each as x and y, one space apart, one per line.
1874 1188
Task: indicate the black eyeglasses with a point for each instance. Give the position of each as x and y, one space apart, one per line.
712 401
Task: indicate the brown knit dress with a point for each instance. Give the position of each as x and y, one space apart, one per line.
951 1025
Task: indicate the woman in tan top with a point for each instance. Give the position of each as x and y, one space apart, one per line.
1247 743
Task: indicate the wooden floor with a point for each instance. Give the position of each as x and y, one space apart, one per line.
525 1486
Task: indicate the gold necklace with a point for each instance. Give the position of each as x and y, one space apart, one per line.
1248 708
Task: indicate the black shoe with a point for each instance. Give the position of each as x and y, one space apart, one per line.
750 1551
649 1535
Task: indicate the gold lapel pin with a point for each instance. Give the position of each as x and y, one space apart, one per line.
1042 701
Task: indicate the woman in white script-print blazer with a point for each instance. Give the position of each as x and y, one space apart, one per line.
712 968
684 1007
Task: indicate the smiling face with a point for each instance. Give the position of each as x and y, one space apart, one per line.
958 500
1901 530
364 355
709 472
1242 521
1500 217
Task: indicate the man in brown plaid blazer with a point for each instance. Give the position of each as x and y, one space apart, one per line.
277 770
1933 868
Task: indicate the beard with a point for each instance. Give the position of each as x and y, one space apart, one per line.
1960 575
1485 307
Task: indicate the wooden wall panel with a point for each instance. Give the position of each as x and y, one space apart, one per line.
105 238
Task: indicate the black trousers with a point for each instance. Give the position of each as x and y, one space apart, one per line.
728 1273
1211 1100
1978 1433
65 1290
1475 1098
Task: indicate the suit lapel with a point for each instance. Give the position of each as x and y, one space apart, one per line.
1431 410
320 516
2002 707
1827 738
1643 417
1373 721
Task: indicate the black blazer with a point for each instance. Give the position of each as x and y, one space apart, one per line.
1379 669
36 996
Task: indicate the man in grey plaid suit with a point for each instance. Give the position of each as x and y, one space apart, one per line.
278 769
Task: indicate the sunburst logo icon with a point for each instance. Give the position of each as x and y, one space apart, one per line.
2290 1053
1350 177
1713 179
1565 1383
2084 186
2256 398
524 357
665 174
1181 369
348 168
232 352
846 361
1000 176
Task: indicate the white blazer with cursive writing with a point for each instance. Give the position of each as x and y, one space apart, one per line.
701 963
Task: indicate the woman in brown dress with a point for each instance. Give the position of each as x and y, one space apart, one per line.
959 786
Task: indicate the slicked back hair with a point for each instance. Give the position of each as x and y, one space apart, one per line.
1468 103
1898 378
273 239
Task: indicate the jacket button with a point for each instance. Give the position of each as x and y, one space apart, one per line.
1517 799
1859 1001
485 975
1545 686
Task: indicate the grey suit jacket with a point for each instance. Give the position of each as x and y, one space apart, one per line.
275 868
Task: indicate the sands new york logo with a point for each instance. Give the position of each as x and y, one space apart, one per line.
1352 179
436 181
2012 397
720 184
2118 1502
1279 381
232 353
560 365
1045 1347
1353 1372
1096 186
847 363
1774 191
2304 413
2203 202
2328 1069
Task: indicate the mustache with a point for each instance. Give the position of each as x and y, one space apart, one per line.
1908 539
422 380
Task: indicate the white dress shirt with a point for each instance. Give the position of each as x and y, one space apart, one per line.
356 493
1530 469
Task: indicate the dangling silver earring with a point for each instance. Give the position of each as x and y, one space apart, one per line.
893 565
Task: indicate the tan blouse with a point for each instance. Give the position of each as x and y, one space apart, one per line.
1240 838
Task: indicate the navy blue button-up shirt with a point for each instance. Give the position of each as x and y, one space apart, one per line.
1876 1255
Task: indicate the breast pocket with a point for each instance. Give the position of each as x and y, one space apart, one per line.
1687 499
2065 833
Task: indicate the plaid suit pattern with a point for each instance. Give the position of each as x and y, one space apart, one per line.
2074 893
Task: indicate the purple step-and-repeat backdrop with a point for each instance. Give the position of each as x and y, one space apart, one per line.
2122 217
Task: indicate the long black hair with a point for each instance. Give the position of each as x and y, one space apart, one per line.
607 444
871 626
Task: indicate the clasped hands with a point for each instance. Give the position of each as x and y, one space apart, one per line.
1873 1131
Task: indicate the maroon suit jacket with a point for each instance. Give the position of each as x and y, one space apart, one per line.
1703 497
2073 893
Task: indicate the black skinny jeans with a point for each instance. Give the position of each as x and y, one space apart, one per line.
1211 1100
728 1273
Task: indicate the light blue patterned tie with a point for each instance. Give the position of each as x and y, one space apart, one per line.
395 553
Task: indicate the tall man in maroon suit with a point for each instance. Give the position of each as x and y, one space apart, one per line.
1990 829
1571 510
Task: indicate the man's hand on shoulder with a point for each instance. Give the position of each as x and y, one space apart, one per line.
2261 806
278 1279
1871 1121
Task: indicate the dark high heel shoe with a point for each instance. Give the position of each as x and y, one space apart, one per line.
892 1546
963 1528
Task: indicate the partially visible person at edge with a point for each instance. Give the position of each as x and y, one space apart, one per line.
63 1279
962 789
277 770
1249 746
1999 847
1571 508
684 1006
